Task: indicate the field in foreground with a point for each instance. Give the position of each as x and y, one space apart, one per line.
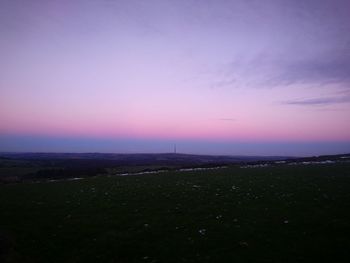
284 213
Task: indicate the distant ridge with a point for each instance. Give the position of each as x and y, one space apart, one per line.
135 156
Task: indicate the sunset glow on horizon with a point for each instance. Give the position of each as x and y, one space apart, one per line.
217 77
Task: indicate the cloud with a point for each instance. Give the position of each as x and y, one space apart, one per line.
318 101
316 71
268 70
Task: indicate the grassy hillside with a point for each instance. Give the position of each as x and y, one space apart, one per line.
272 214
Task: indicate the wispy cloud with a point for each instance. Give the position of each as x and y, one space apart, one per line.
317 71
271 71
318 101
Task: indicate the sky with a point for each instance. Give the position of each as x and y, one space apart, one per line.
243 77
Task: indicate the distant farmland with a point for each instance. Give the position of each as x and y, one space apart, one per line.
282 213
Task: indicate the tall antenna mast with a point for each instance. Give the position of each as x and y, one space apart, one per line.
175 148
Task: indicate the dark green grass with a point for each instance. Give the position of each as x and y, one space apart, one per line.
273 214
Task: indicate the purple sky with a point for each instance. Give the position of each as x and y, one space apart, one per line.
218 77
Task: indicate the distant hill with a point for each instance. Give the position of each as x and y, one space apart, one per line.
142 159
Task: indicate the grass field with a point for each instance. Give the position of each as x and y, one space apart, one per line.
284 213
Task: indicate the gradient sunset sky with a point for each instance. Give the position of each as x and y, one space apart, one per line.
243 77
